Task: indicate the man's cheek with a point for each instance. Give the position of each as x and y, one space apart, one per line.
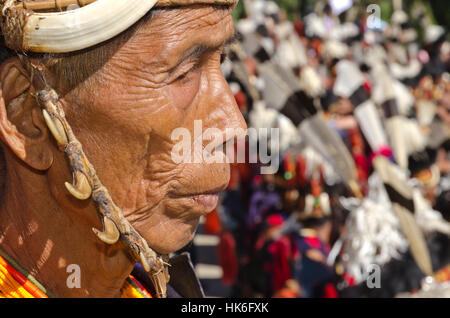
182 93
161 175
160 163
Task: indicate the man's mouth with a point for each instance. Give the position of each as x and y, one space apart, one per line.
204 201
207 201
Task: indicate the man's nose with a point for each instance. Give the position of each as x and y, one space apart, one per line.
225 114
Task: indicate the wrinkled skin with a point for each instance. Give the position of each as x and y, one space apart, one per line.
130 130
123 116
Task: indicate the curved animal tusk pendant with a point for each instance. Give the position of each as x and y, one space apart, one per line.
81 189
56 128
110 235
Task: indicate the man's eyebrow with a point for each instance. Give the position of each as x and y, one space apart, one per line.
198 50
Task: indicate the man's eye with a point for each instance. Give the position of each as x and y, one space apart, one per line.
185 77
182 78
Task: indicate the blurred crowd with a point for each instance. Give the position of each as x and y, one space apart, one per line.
343 87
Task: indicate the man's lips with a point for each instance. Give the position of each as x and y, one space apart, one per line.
196 204
208 201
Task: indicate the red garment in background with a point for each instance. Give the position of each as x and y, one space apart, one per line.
280 269
226 253
241 101
361 161
212 223
240 172
330 291
299 28
349 279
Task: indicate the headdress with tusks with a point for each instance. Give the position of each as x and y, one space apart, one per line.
404 134
434 34
399 17
59 26
350 84
390 218
299 100
93 22
311 202
401 195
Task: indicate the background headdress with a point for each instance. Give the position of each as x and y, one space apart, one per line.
404 134
350 83
299 100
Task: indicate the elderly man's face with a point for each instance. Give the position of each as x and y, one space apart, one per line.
165 77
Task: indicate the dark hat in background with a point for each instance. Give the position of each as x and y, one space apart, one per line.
422 167
422 160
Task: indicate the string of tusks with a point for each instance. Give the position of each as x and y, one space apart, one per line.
86 184
80 189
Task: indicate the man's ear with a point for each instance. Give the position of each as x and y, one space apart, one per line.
22 127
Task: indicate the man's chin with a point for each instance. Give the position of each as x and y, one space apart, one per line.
165 248
168 242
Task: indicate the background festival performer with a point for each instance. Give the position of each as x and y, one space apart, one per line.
359 92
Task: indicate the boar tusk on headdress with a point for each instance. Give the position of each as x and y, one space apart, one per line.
73 30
